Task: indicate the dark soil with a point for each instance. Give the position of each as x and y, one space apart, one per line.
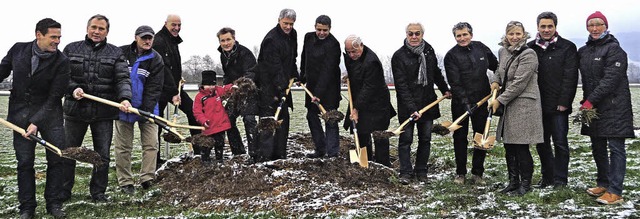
83 154
382 134
332 116
267 124
171 138
295 187
201 140
440 129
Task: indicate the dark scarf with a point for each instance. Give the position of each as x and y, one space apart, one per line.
37 55
542 43
229 54
419 50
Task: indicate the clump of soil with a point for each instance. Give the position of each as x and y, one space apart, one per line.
440 129
171 138
296 186
268 124
201 140
83 154
382 134
332 116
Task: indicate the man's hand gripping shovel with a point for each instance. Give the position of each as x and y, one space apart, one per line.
271 123
454 126
359 154
484 141
396 132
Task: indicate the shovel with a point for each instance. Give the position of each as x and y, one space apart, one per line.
454 126
359 154
484 141
150 116
176 115
400 128
75 153
271 123
333 116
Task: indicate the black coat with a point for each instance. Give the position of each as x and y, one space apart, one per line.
100 71
236 65
369 91
35 98
466 69
153 70
603 67
412 96
167 46
320 70
557 74
276 65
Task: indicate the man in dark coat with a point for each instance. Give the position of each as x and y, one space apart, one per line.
605 86
97 68
466 65
415 71
40 76
372 109
147 75
236 61
320 71
166 43
276 66
558 80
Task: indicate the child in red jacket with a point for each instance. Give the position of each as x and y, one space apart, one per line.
209 112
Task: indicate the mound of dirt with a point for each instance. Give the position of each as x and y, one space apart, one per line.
296 186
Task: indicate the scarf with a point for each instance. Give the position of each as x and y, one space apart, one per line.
604 34
504 42
37 54
542 43
230 53
419 50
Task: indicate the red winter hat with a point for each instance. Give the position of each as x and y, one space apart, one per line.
598 14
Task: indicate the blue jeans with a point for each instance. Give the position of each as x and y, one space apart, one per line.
25 155
611 166
101 132
555 169
424 147
325 141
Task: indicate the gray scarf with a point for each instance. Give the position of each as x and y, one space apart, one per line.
37 54
419 50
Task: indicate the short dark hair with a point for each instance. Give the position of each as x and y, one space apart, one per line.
547 15
324 20
226 30
461 26
43 25
99 17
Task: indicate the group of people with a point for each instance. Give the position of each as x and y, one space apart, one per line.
537 82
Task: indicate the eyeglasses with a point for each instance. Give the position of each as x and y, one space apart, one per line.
515 23
595 25
417 33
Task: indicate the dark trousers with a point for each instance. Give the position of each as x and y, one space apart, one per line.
273 146
381 153
554 169
423 151
461 142
611 166
233 134
218 147
101 133
186 106
326 141
25 155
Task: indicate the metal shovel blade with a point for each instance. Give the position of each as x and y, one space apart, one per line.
364 160
353 156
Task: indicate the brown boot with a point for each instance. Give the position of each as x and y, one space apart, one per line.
610 199
596 191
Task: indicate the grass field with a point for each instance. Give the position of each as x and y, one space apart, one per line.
443 198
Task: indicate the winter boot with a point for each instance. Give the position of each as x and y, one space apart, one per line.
526 169
512 169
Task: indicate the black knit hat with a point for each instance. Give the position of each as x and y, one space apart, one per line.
208 77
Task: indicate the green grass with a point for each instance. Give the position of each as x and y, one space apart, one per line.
442 198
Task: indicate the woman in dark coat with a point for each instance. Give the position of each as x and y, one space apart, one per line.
603 67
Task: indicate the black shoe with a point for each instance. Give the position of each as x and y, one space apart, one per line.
146 184
100 198
559 186
543 184
27 214
315 155
422 178
56 212
128 189
404 179
332 155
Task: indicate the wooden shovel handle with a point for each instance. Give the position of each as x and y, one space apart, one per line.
17 129
284 98
322 110
494 94
464 116
421 111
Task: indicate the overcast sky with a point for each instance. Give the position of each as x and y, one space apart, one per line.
379 23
